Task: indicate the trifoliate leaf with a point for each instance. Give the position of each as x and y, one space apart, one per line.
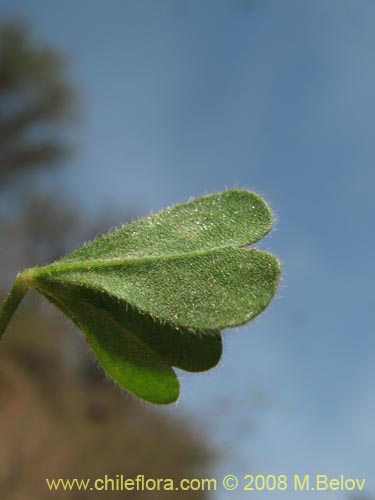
154 294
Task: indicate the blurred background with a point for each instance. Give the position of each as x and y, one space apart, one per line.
112 110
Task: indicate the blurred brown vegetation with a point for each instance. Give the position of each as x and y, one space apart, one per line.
59 416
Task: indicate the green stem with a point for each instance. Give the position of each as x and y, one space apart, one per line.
12 301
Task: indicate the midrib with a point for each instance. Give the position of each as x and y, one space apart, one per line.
92 264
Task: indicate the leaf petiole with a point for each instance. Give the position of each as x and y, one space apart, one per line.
20 288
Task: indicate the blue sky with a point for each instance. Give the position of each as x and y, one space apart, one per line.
186 98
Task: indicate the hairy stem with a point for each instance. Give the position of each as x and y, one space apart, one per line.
12 301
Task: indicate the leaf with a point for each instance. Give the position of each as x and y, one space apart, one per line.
201 291
132 349
181 266
232 218
178 348
123 356
155 294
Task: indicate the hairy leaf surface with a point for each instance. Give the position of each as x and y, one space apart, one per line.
178 348
128 360
183 265
154 295
202 291
232 218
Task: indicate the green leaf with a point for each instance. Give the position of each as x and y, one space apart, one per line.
183 265
128 360
178 348
201 291
154 294
232 218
